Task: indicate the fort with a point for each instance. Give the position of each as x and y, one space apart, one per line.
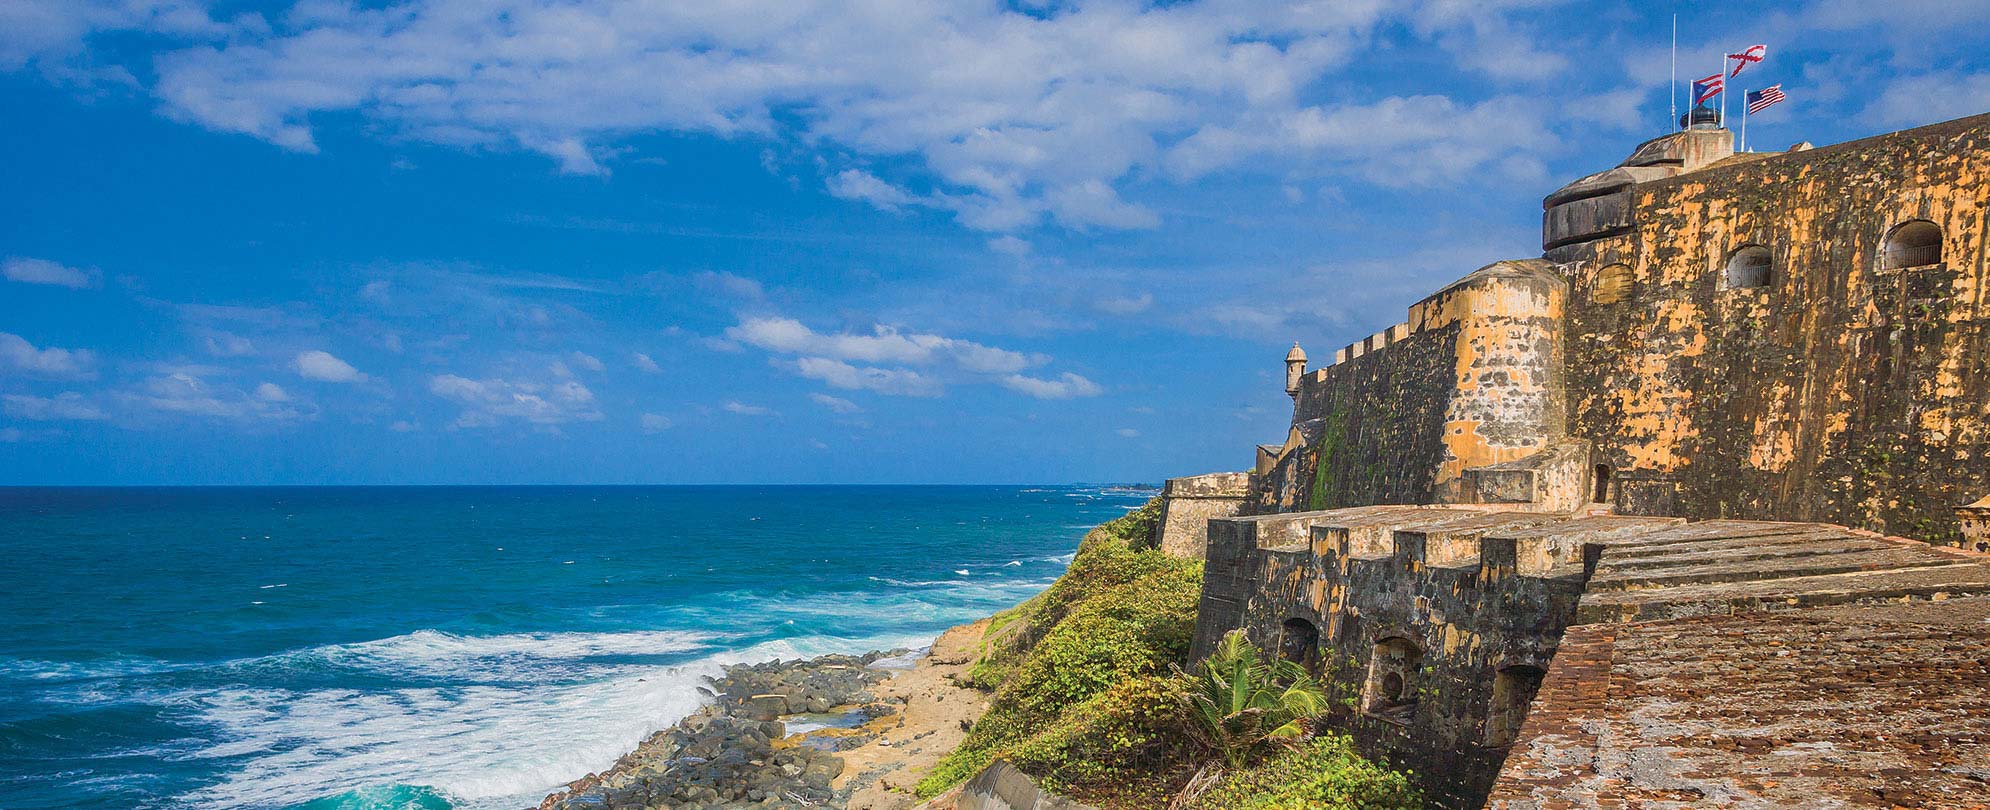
1687 511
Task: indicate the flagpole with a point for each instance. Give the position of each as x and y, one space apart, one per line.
1744 120
1672 89
1723 95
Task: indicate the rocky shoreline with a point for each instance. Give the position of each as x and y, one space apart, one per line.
833 731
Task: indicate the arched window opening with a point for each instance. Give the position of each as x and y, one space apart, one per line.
1613 284
1912 244
1601 487
1748 268
1392 680
1513 691
1300 643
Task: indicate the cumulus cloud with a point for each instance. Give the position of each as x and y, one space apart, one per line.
1129 433
654 423
323 367
644 364
17 354
587 361
187 393
855 184
66 406
890 381
883 345
43 271
1010 114
487 402
1066 386
835 404
271 392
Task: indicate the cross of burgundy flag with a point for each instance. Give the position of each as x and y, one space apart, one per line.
1760 100
1749 56
1708 87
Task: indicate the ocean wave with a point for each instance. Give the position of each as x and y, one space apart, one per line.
483 745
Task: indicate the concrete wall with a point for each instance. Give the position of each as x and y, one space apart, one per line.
1188 504
1839 392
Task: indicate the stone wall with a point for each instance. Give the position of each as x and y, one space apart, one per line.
1432 625
1187 505
1475 379
1841 390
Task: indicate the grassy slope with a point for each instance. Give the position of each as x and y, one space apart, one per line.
1085 694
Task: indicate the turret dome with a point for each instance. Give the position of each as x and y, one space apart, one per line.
1297 355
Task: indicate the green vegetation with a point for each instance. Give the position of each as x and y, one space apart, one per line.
1238 703
1324 773
1085 699
1090 698
1321 496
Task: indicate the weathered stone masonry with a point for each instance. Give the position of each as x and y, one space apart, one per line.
1800 336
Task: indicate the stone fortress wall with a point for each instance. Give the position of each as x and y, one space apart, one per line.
1708 336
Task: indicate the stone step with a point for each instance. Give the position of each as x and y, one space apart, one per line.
1960 578
1778 568
1759 551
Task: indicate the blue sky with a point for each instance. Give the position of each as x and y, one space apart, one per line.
620 241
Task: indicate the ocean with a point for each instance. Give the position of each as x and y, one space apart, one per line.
421 648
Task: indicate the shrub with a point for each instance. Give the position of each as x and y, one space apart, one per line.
1322 774
1238 703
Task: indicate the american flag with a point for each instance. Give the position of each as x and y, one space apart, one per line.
1748 56
1708 87
1761 99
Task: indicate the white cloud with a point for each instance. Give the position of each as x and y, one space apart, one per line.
588 361
835 404
488 401
1126 305
17 354
1011 114
66 406
743 409
884 345
403 426
1011 245
892 381
323 367
645 364
1129 433
271 392
654 423
1914 100
43 271
1067 386
224 344
855 184
186 393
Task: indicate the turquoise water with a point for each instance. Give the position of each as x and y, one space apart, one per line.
358 648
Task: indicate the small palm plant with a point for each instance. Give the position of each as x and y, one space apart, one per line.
1240 703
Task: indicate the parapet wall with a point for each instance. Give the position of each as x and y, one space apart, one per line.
1435 626
1188 504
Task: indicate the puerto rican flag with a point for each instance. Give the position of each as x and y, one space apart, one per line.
1708 87
1761 99
1751 55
